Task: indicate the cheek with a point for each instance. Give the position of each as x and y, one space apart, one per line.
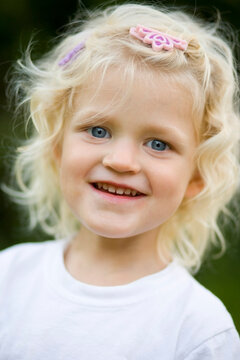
73 167
168 189
170 181
76 159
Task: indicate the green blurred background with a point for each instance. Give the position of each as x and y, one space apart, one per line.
19 19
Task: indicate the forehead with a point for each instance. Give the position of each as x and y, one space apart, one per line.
146 91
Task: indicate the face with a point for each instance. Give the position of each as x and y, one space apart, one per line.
125 171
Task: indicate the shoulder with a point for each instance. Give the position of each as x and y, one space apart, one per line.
204 317
23 250
24 257
222 346
207 308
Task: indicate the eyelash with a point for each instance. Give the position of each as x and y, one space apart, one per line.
166 145
96 127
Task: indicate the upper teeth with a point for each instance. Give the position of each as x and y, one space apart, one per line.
117 190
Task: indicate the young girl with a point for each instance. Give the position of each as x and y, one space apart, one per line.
135 137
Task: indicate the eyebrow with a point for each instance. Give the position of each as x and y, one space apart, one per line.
167 130
88 117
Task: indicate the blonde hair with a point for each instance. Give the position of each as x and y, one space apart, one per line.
46 90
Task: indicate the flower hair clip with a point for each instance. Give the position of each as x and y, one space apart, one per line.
158 39
72 54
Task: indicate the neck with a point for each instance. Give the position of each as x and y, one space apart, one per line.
105 261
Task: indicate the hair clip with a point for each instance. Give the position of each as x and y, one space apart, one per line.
157 39
72 53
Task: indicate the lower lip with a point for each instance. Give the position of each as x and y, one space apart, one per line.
116 199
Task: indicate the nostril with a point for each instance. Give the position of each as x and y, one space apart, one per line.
121 162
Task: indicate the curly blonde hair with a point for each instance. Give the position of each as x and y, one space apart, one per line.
46 90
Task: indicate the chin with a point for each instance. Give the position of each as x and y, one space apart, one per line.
113 232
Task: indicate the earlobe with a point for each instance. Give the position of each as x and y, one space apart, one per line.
56 154
194 188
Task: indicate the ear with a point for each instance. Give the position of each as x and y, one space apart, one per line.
56 154
195 186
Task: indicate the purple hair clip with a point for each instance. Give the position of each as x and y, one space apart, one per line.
157 39
72 53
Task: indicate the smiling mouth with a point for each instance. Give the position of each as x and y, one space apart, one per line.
118 191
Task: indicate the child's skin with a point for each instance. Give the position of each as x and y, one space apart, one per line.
117 240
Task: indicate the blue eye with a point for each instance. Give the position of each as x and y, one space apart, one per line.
158 145
98 132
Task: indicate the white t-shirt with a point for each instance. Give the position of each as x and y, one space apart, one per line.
46 314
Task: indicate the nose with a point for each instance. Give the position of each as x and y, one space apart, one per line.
122 157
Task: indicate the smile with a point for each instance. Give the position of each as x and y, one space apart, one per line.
109 188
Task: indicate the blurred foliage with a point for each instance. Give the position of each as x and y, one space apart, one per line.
19 19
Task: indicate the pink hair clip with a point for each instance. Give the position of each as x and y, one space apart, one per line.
157 39
72 53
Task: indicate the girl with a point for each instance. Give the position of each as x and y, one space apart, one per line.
135 137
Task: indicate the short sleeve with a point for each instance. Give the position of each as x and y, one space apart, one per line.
225 345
